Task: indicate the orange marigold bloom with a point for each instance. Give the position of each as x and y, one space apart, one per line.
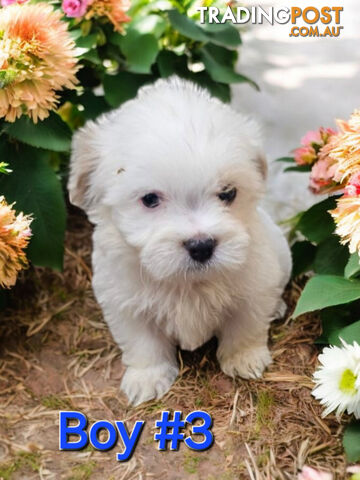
114 10
14 237
37 59
347 219
346 153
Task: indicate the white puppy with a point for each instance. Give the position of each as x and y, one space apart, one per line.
182 252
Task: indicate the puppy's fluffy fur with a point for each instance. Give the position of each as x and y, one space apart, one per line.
176 141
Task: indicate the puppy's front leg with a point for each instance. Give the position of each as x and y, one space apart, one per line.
150 358
243 349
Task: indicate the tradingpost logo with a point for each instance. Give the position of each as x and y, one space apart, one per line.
305 22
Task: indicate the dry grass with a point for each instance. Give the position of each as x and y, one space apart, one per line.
56 353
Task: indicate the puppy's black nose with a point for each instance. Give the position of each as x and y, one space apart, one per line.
200 250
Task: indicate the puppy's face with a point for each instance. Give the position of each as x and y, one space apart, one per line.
181 191
183 213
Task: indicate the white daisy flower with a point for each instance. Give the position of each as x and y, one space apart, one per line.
338 379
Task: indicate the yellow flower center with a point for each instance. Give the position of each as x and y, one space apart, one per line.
347 382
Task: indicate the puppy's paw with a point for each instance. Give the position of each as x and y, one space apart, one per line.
248 363
143 384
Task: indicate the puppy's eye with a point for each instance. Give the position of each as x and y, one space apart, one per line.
151 200
228 194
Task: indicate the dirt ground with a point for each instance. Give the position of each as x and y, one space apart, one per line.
56 353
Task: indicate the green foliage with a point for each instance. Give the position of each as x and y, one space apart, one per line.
4 169
187 27
325 291
351 441
348 334
25 461
316 224
331 249
123 86
335 288
303 254
37 191
83 471
352 268
163 38
294 167
264 406
140 50
52 133
217 65
191 463
334 319
298 168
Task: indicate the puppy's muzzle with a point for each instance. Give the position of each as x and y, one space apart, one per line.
200 250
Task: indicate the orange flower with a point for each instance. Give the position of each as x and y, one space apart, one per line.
37 59
347 150
347 219
14 237
114 10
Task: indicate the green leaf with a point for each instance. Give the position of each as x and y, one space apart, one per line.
351 441
51 134
331 257
285 159
152 23
169 63
144 7
94 105
220 72
222 55
349 334
325 291
316 224
303 254
123 86
36 190
352 268
187 27
91 56
216 89
75 34
140 51
4 169
223 34
333 320
87 42
298 168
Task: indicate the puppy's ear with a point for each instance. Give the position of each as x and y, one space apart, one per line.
84 160
261 164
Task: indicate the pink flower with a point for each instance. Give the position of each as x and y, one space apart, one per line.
6 3
311 143
305 155
74 8
322 175
317 137
312 137
352 189
308 473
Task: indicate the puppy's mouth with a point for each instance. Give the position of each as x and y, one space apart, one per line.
203 267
